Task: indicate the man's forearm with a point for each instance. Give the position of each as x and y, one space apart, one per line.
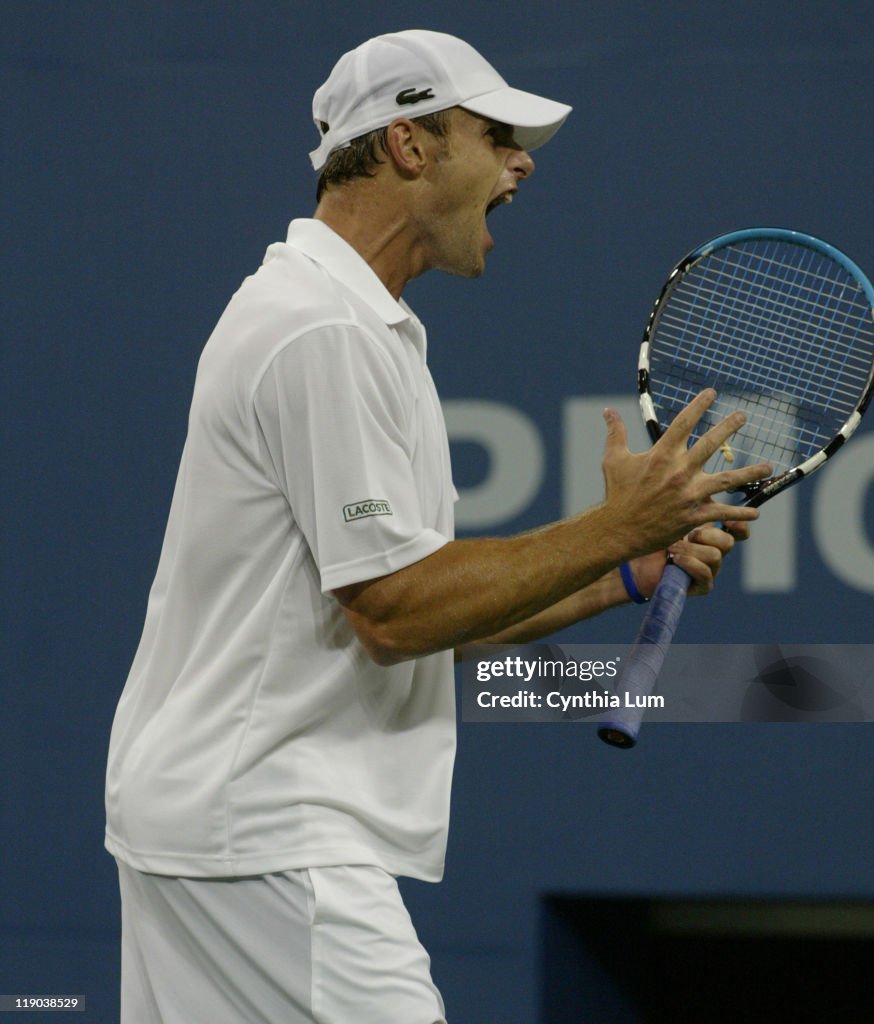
606 592
505 589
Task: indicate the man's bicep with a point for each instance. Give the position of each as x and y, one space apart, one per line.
395 616
387 597
323 395
335 418
370 607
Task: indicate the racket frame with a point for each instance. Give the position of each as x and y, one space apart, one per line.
663 614
758 493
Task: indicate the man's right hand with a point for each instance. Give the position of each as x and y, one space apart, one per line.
660 495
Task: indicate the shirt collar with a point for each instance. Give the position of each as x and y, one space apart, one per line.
315 239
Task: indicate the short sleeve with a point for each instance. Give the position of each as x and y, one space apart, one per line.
336 415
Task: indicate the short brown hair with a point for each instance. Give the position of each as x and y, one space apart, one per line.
360 157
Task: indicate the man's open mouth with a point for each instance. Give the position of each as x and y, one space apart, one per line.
499 200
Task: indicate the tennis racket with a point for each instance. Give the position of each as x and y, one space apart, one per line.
782 326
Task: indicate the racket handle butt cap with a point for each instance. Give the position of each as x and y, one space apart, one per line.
617 735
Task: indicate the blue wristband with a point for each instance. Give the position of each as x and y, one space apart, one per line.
630 585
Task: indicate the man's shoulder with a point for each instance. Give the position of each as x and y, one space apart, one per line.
295 286
291 292
288 298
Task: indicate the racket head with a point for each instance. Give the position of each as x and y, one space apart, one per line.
781 324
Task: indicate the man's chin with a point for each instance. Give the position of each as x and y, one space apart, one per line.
468 272
471 267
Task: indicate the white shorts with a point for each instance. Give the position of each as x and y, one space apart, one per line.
320 946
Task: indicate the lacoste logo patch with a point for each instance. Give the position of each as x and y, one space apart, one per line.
368 507
412 96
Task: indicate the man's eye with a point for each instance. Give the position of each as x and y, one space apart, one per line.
501 135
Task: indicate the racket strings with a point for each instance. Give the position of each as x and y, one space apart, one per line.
819 329
774 429
774 435
775 273
783 333
686 311
782 370
820 334
759 411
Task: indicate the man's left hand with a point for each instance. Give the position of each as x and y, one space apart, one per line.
700 554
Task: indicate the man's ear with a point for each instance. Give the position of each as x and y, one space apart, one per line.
404 143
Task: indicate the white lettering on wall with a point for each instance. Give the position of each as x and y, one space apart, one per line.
839 513
517 461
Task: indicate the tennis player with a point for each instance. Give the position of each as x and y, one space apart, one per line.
283 748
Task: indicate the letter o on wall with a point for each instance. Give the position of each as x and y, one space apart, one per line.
839 513
516 460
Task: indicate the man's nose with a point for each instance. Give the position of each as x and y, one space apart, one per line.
521 164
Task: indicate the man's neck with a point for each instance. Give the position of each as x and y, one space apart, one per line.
377 230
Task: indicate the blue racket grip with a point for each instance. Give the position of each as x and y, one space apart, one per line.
645 658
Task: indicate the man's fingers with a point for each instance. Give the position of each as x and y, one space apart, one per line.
686 420
712 510
617 435
704 537
733 479
710 442
740 531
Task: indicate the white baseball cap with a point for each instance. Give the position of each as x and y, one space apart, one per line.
408 74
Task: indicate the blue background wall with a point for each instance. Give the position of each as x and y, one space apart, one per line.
151 151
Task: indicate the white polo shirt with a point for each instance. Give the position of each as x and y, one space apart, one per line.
254 734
